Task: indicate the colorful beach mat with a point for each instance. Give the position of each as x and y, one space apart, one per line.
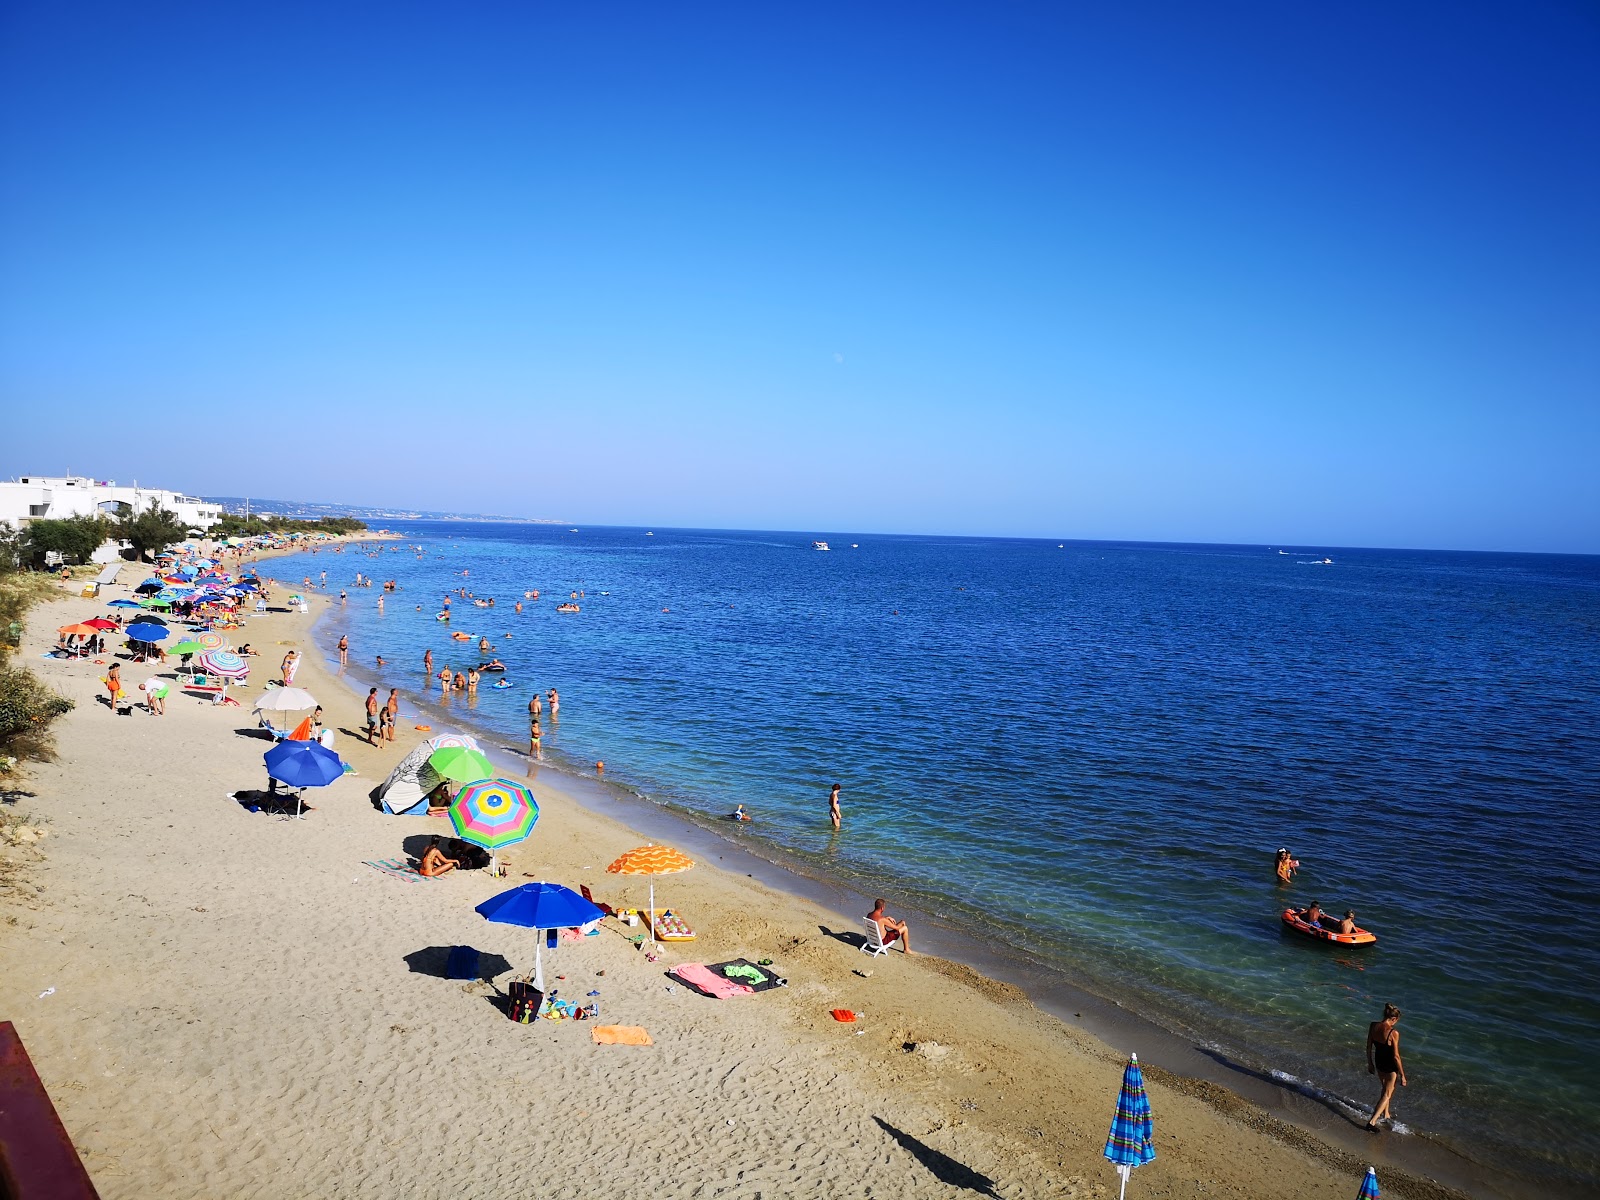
399 868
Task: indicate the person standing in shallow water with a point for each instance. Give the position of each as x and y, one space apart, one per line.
344 651
1383 1060
834 814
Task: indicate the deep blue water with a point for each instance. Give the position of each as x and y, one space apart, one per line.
1091 752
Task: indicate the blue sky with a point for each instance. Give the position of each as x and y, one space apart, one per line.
1316 274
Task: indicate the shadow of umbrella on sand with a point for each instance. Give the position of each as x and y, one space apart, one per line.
431 960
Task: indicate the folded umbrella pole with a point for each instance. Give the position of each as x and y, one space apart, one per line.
1130 1142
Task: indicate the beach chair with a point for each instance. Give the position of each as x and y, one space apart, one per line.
874 945
600 904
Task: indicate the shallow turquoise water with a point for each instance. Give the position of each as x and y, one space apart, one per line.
1092 751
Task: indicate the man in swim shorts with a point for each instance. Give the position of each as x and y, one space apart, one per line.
891 929
372 717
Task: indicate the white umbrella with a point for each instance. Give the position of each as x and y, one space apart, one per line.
283 699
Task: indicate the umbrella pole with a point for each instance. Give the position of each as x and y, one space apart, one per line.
652 912
538 962
1123 1171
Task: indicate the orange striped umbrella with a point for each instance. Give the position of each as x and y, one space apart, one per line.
651 861
80 630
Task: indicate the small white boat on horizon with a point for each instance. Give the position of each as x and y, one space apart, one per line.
821 546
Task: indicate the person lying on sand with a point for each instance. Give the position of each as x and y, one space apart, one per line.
434 862
891 929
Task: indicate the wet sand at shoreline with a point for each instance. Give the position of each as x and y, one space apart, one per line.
243 1008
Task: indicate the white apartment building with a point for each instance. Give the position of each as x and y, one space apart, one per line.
32 497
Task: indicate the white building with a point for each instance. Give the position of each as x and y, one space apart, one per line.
51 497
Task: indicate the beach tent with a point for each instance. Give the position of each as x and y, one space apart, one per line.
405 792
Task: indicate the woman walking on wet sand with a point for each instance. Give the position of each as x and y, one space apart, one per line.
1383 1060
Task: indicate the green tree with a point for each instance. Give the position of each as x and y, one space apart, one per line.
74 538
151 531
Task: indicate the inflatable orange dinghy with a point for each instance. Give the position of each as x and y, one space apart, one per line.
1300 925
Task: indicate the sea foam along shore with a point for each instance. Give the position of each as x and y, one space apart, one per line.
241 1007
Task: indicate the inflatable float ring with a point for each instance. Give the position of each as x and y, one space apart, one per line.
425 728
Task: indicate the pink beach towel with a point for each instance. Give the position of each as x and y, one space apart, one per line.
704 981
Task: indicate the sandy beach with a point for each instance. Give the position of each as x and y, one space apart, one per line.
238 1006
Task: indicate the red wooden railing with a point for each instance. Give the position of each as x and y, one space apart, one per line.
37 1159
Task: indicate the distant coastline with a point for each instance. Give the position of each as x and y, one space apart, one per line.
312 510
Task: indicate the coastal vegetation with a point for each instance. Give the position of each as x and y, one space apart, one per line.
75 539
151 531
234 525
27 706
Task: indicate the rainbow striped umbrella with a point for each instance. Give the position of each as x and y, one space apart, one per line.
1369 1186
224 663
464 741
494 813
1131 1130
210 639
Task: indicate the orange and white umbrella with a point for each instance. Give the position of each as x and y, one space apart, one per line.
651 861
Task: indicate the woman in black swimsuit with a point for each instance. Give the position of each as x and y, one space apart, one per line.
1383 1060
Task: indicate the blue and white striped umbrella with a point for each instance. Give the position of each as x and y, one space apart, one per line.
1129 1144
1369 1186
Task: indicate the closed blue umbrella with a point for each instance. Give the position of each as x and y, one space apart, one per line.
143 632
540 906
303 765
1129 1144
1369 1186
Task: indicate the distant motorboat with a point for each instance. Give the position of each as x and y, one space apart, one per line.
649 535
572 531
821 546
854 546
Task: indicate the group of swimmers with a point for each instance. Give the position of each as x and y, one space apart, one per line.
1383 1039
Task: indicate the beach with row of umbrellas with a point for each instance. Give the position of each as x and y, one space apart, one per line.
234 981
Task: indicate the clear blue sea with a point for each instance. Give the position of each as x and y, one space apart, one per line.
1090 752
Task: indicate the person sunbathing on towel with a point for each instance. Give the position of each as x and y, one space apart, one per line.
434 862
891 929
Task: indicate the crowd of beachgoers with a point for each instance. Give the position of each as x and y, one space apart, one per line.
258 927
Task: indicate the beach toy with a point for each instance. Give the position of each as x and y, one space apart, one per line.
425 728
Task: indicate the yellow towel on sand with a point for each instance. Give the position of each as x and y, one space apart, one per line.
620 1035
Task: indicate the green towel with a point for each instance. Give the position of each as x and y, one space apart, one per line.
746 972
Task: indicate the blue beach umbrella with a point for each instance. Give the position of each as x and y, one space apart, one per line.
303 765
144 632
124 604
1129 1146
1369 1186
539 906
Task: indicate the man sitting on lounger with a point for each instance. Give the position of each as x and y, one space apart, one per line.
434 862
890 929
